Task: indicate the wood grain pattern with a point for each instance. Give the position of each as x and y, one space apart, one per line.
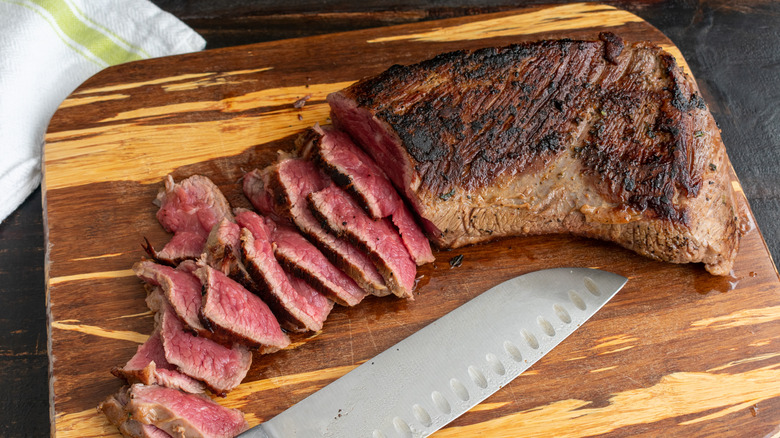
677 352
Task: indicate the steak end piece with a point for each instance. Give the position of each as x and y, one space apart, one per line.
223 252
189 210
147 410
181 288
114 409
601 139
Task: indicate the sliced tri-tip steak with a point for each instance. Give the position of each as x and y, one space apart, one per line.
114 409
223 252
301 258
176 413
599 138
353 170
295 311
181 288
149 366
339 212
255 187
189 209
219 367
236 314
313 296
290 181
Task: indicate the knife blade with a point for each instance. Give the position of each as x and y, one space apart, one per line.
430 378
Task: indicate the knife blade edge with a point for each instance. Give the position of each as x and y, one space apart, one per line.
442 392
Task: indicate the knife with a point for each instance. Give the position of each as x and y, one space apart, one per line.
417 386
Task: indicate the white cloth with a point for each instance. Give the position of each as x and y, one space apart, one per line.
47 49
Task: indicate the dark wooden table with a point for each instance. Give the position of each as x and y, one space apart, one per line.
732 47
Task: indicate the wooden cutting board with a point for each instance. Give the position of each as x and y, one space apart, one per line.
676 353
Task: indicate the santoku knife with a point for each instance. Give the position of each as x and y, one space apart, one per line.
430 378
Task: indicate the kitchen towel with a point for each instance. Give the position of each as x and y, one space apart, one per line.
47 49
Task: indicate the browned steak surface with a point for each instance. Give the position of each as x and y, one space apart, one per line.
174 412
588 137
114 409
223 252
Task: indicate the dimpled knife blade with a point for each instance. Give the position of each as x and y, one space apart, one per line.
430 378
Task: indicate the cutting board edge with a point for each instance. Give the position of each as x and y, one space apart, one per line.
49 328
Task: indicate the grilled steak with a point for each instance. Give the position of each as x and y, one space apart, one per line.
189 209
237 314
297 310
289 182
594 138
181 288
255 187
174 412
114 409
336 209
149 366
357 173
301 258
223 252
219 367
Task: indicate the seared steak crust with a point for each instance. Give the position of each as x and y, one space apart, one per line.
596 138
175 413
223 252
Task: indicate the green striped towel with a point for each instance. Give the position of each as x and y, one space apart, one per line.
48 48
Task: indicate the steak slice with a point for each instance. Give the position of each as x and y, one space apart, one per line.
149 366
295 309
174 412
114 409
236 314
223 252
189 209
336 209
257 191
290 181
353 170
181 288
594 138
301 258
219 367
